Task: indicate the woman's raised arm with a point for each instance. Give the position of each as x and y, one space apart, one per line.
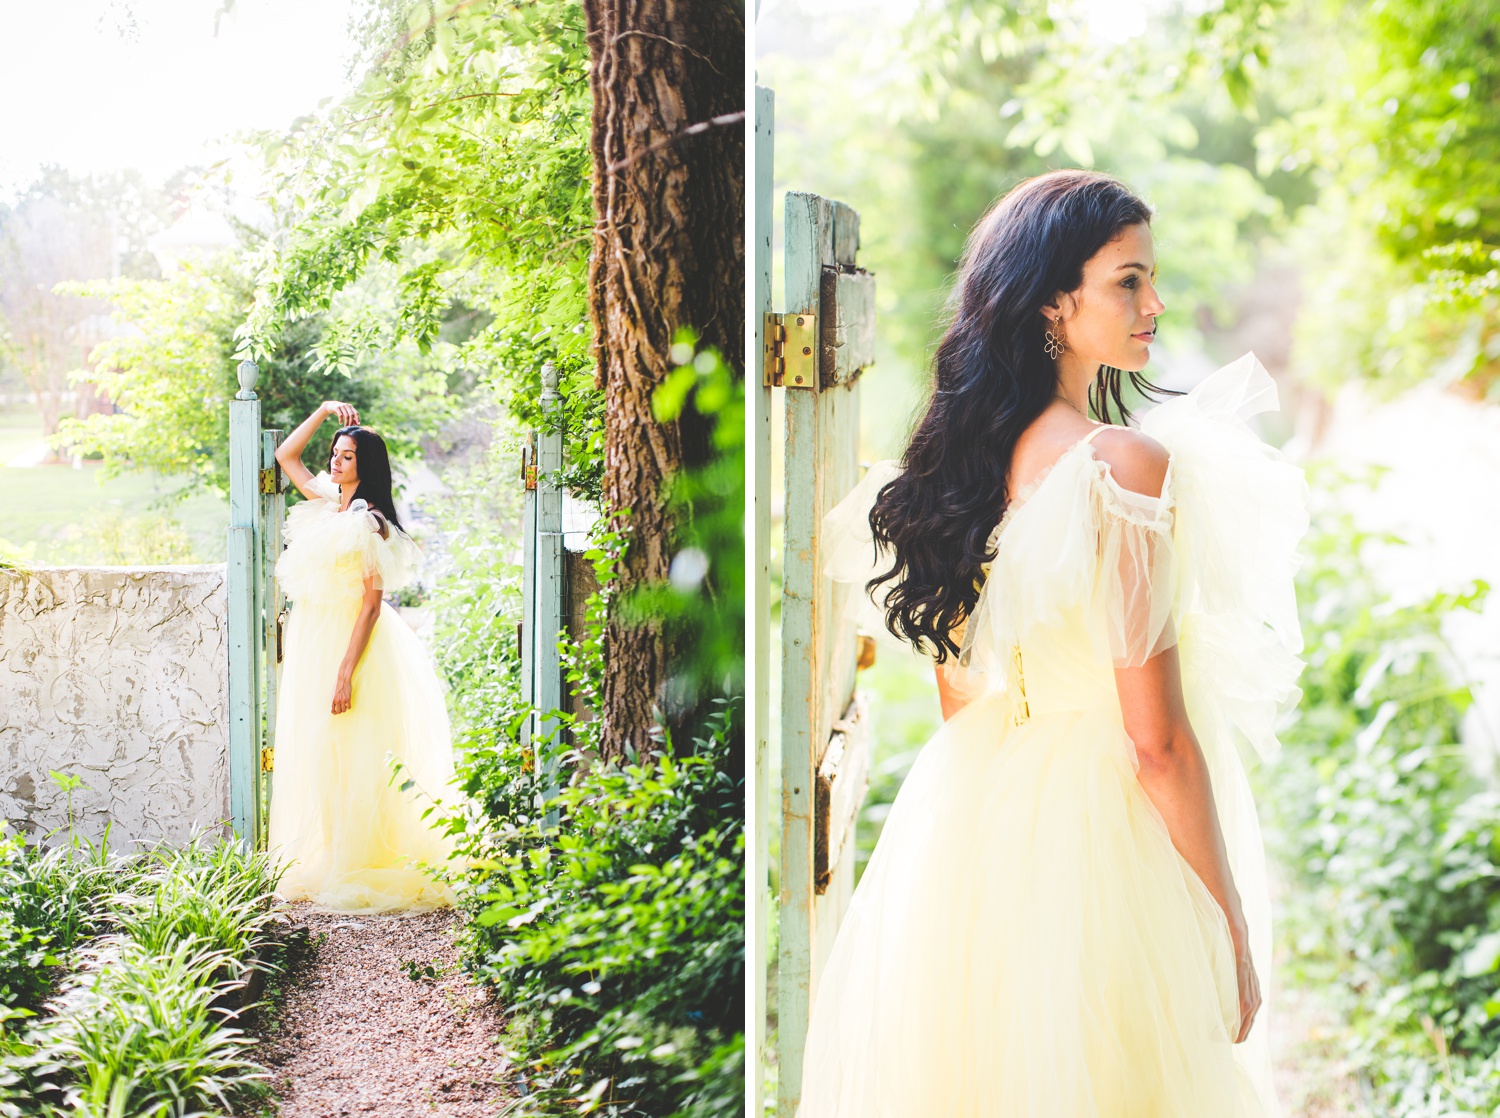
289 453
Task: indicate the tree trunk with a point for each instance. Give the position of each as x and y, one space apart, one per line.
669 252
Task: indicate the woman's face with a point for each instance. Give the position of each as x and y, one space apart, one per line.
341 466
1111 318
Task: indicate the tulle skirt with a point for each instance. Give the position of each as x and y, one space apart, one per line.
1026 942
354 841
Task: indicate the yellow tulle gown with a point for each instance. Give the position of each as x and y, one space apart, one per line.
352 838
1026 942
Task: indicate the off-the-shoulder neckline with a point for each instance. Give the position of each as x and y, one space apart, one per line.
1030 491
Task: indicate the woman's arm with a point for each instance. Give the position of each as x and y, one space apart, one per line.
1172 769
289 453
1175 778
364 623
952 697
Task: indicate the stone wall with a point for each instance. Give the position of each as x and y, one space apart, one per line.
118 676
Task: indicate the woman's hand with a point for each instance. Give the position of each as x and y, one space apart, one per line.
1249 986
343 692
344 413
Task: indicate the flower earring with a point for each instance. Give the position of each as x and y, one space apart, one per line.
1053 340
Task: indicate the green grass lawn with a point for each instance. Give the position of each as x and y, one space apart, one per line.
59 515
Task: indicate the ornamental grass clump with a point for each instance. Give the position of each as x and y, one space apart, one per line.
143 1024
138 1033
216 895
50 901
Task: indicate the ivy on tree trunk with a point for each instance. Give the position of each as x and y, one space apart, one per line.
668 254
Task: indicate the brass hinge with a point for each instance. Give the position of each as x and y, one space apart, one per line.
267 759
271 480
791 349
530 477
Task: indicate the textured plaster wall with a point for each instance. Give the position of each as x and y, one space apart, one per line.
116 675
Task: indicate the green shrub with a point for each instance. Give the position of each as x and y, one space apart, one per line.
618 936
1391 841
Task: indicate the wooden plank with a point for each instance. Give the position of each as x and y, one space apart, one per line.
808 231
845 234
527 637
846 326
758 675
549 592
273 520
243 774
246 711
843 779
819 650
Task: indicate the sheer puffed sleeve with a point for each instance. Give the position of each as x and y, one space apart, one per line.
850 555
1136 574
330 554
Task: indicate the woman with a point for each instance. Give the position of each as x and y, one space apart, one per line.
357 689
1066 914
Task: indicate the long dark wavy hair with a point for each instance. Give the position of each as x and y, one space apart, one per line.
991 379
373 464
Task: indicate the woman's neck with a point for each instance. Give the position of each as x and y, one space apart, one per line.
1073 380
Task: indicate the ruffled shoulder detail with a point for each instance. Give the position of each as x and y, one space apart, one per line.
1075 539
326 488
851 556
1242 512
330 553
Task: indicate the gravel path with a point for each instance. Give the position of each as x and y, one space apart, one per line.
358 1036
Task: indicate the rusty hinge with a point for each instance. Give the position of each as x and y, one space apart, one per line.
272 480
528 461
267 759
791 351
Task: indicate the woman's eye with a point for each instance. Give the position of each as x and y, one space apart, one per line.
1130 282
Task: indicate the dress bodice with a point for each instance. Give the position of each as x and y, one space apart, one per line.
330 553
1089 576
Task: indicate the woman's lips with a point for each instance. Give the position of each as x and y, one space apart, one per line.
1145 336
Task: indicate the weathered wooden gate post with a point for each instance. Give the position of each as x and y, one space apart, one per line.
815 350
549 588
243 583
273 486
543 590
759 584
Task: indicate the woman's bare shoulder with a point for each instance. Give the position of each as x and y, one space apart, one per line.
1136 460
1046 439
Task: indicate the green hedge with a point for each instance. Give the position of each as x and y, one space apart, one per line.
1390 840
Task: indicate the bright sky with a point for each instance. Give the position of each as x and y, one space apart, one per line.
98 85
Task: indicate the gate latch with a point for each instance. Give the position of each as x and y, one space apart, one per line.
790 351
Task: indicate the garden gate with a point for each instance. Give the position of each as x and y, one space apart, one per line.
814 351
257 512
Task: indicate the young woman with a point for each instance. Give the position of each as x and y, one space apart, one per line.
1066 915
357 691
